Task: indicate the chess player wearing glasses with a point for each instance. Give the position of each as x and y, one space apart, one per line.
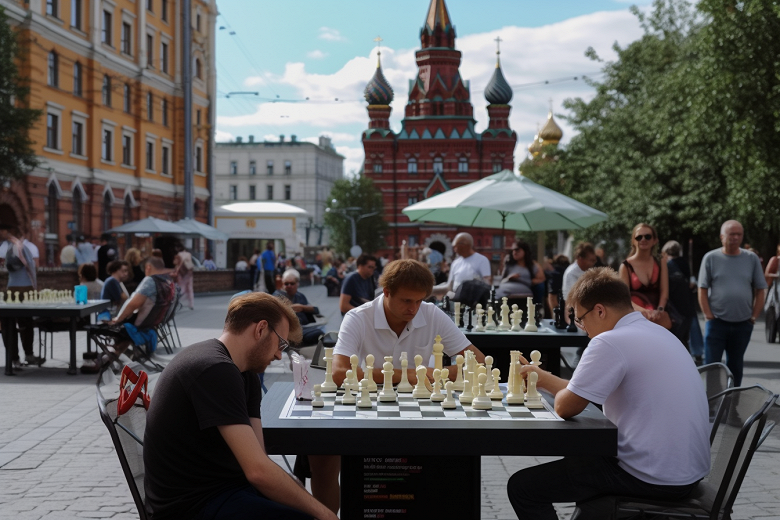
300 304
203 445
619 370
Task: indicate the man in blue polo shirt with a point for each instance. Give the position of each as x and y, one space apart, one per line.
359 287
267 262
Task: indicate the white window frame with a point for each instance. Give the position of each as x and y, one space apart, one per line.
199 169
79 117
110 8
111 126
233 168
166 144
54 109
127 20
232 192
150 139
165 40
128 131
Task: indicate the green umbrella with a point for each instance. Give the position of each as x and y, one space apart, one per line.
505 201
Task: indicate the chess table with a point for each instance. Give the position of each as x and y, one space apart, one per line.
74 311
402 467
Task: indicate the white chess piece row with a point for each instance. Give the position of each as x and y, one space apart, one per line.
43 297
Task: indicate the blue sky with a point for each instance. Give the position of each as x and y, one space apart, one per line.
324 50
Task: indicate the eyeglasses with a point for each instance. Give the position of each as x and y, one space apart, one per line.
283 343
290 283
578 320
647 237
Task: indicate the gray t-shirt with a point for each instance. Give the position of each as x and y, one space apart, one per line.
731 280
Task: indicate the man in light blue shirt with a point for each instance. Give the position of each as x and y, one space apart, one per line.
267 262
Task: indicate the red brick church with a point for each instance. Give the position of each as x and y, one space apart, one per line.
438 147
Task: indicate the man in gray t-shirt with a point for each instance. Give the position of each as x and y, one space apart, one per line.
731 295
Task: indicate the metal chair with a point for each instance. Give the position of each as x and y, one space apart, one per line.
738 427
716 378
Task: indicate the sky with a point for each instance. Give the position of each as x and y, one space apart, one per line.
299 67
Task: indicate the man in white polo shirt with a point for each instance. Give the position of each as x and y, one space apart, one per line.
397 321
650 389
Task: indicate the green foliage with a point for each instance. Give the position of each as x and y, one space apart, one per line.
355 197
683 130
16 154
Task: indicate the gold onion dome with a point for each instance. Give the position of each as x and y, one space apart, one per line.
535 147
498 91
378 91
551 133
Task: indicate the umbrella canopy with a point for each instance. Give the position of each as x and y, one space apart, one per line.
150 225
505 201
199 228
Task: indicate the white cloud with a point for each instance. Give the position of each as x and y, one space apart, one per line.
330 34
223 137
316 54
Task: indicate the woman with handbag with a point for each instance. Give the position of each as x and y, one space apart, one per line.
646 276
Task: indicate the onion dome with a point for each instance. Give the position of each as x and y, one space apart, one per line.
378 91
551 133
536 146
498 91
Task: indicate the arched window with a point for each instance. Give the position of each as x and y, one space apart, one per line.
52 209
54 69
496 166
127 214
77 210
106 211
411 165
198 69
438 165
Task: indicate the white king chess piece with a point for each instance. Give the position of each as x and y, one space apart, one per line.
530 325
504 325
491 325
480 313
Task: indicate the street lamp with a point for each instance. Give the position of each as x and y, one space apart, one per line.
355 250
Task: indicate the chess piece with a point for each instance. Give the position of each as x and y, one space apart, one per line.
456 316
530 325
536 358
438 353
418 360
480 327
445 305
518 318
437 396
421 390
329 386
2 297
449 402
348 397
504 325
404 387
533 399
458 383
353 360
560 317
496 394
481 400
491 325
489 372
16 298
8 299
317 401
387 394
369 375
365 396
514 393
572 326
468 388
470 312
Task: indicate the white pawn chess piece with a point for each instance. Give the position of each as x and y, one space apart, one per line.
514 393
457 314
417 361
496 394
504 325
480 313
16 298
369 375
536 358
449 402
353 361
468 395
491 325
437 396
458 383
530 325
421 390
348 397
481 400
404 387
438 353
2 297
316 394
533 399
329 386
489 373
517 318
387 394
365 395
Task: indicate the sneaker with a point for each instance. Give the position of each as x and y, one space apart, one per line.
32 359
19 364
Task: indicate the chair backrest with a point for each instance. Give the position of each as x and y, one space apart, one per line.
326 340
736 432
716 378
127 435
166 295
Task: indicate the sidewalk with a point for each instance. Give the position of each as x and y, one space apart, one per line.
57 460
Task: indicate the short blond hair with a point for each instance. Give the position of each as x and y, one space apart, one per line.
407 274
250 309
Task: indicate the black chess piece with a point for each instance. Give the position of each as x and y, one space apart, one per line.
445 305
572 325
538 316
463 311
492 295
557 318
471 314
561 323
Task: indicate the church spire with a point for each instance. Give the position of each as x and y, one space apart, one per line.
378 91
498 91
438 30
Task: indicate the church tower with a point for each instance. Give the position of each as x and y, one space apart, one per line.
437 147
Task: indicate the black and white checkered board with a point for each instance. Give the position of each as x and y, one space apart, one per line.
408 407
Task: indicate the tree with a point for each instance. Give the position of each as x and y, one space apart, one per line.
16 120
355 197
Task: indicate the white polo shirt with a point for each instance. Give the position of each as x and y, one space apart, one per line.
365 331
472 267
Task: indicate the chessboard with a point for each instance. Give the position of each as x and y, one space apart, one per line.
409 408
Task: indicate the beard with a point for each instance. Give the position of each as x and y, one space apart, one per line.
261 356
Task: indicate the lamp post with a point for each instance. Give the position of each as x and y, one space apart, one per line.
355 250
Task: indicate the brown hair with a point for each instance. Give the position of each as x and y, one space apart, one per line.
116 265
249 309
156 262
654 252
600 285
88 272
408 274
133 256
583 249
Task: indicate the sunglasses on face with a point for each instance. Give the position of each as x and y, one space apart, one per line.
647 237
290 283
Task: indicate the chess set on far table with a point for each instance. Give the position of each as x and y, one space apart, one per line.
42 297
509 320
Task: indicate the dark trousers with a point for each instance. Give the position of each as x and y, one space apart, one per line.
270 281
247 503
729 337
26 326
592 482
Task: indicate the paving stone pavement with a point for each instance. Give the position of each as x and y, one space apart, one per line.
57 460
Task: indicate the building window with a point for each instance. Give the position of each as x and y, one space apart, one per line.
164 10
463 165
52 131
127 32
413 241
377 167
52 209
107 90
126 101
166 157
77 79
498 242
233 167
127 214
287 192
411 165
127 150
78 138
52 9
164 57
438 165
233 192
149 155
270 167
252 168
108 136
150 5
54 69
197 22
198 69
75 14
106 212
107 21
199 158
287 168
197 117
496 166
164 108
150 51
252 192
411 200
269 192
149 106
77 211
